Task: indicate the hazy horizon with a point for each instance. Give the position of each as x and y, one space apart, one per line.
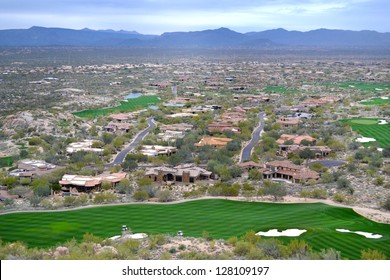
159 16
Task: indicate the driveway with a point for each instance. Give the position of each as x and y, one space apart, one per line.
121 156
247 150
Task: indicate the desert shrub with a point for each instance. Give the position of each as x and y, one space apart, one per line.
104 197
370 254
141 195
164 196
338 197
386 204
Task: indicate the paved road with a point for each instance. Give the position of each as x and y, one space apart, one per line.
247 150
121 156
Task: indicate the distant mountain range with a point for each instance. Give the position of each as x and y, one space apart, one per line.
217 38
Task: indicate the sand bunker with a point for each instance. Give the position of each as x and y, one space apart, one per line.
384 97
130 236
382 122
288 232
365 140
365 234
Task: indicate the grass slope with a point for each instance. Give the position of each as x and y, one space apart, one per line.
131 104
220 218
371 128
371 87
376 101
279 89
6 161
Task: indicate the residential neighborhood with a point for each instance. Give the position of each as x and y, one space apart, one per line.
201 129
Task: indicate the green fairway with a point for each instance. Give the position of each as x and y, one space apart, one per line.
220 218
280 89
131 104
377 101
370 128
374 87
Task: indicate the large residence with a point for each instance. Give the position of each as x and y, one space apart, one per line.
85 145
157 150
176 127
233 117
171 132
185 173
289 121
118 128
75 184
283 169
216 142
120 118
295 139
222 127
319 151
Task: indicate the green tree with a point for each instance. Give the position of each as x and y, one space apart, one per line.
141 196
9 181
343 183
276 190
129 164
307 154
144 181
107 138
255 174
124 187
106 186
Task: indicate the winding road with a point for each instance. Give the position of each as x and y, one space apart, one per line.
247 150
122 154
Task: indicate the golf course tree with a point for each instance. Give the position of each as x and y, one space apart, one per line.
125 187
255 174
274 189
141 195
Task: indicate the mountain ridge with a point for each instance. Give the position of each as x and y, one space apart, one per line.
211 38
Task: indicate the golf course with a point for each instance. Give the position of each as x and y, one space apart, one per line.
374 128
221 218
129 105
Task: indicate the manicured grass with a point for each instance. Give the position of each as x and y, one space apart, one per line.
364 121
279 89
131 104
376 101
372 87
6 161
220 218
370 128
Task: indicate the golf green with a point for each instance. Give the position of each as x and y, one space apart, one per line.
364 121
220 218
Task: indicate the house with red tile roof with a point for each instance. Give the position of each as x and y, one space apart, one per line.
289 121
75 184
296 139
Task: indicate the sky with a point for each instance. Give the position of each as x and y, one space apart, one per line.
159 16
